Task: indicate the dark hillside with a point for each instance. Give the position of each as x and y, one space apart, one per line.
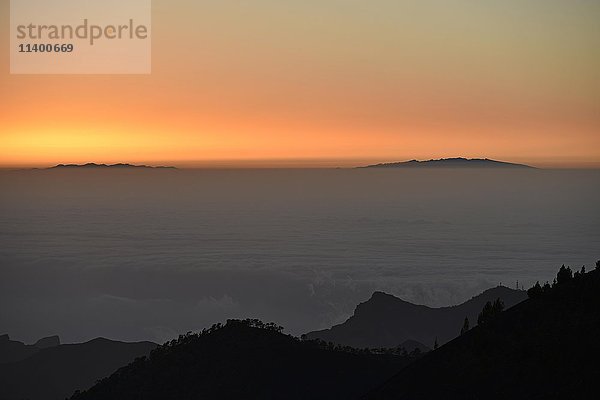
546 347
54 373
240 360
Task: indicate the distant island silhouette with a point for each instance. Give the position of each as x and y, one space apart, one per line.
458 162
114 166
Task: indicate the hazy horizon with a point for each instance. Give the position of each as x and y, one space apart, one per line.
293 163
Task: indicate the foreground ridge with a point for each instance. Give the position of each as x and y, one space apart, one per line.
544 348
251 360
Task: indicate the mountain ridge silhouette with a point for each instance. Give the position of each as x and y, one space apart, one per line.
241 360
14 350
386 320
56 372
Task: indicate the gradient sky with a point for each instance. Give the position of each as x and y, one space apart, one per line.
326 82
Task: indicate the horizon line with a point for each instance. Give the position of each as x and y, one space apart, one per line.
299 163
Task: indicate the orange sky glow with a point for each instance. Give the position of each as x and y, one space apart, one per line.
325 83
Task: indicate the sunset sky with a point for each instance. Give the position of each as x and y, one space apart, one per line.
326 83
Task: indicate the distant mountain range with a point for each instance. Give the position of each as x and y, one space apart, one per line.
387 321
384 321
545 347
49 370
12 350
458 162
112 166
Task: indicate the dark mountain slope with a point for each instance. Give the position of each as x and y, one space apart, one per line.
241 361
12 350
458 162
387 321
56 372
544 348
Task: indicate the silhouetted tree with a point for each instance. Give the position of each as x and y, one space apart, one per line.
497 307
535 291
435 344
485 314
580 273
416 352
598 264
490 311
465 327
564 275
546 287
